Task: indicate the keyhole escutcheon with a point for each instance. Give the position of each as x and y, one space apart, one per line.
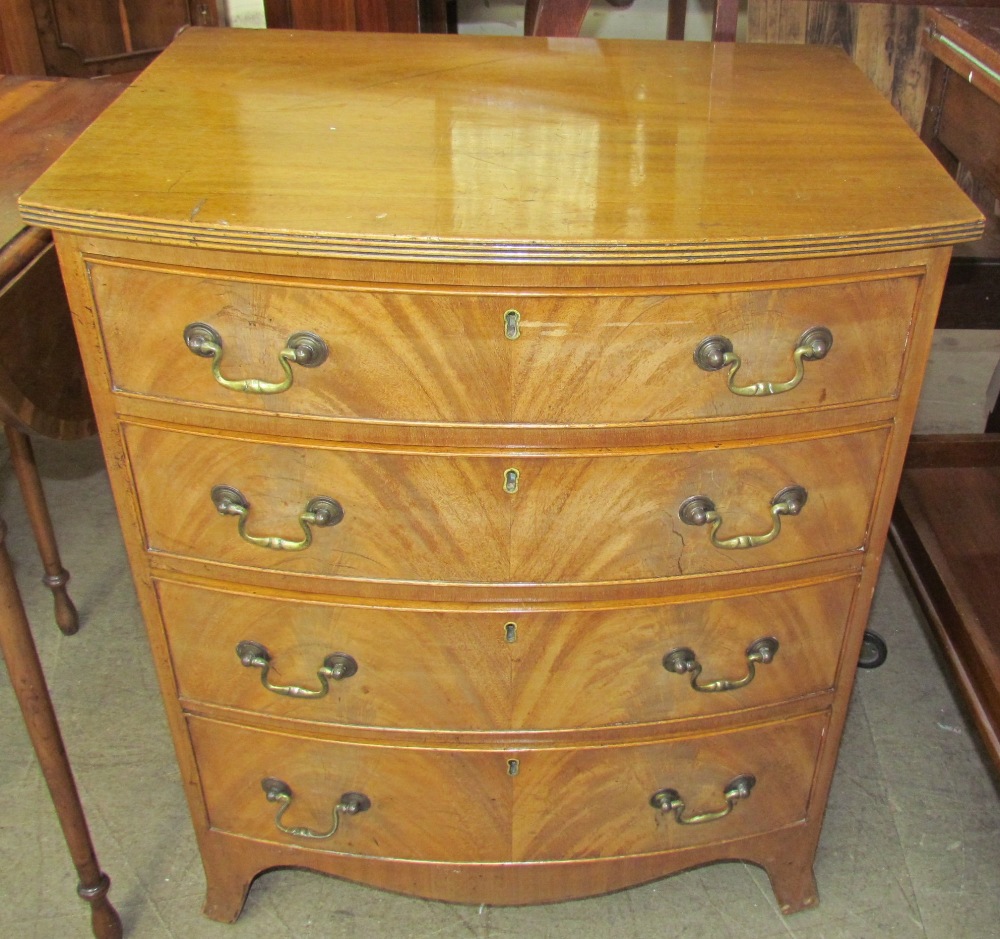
512 324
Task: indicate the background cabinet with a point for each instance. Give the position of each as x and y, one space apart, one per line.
86 38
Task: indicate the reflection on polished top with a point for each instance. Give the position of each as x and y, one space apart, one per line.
486 148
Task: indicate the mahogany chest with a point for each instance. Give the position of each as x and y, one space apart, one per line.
505 433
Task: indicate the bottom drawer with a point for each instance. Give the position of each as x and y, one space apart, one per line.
482 804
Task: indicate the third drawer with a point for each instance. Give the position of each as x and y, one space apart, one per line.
476 669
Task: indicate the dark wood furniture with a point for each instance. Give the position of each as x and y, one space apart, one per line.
946 524
85 38
28 682
42 387
378 16
42 390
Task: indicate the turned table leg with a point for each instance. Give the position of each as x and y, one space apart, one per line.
56 577
28 682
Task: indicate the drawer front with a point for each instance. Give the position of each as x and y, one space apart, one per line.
499 805
431 805
595 802
446 357
425 516
474 669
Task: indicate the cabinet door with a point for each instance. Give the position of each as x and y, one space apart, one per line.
85 38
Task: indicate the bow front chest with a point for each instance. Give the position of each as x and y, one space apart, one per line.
504 434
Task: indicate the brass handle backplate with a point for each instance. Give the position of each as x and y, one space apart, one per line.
351 803
716 352
305 349
700 510
669 800
336 666
321 512
685 662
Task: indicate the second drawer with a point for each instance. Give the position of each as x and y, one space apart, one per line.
486 518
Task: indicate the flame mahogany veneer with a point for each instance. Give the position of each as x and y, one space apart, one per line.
429 600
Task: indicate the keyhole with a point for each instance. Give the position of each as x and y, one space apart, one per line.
510 632
512 324
510 480
513 767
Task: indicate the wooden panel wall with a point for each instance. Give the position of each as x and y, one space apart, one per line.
882 38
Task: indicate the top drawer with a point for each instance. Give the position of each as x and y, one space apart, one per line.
419 356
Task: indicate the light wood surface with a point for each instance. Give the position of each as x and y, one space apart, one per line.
563 803
444 517
628 212
457 667
550 166
410 354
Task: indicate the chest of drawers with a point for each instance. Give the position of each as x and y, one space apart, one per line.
504 434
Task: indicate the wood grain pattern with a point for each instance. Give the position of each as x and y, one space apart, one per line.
561 804
643 175
420 355
883 39
90 38
457 669
609 212
445 517
432 805
397 16
20 51
594 802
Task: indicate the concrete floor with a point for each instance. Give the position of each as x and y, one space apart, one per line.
910 847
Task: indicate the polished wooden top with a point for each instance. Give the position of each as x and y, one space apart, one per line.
486 148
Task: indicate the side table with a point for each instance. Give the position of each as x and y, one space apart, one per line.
28 682
42 388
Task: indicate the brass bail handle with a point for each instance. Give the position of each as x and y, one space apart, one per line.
685 662
321 512
716 352
669 800
700 510
351 803
303 348
337 666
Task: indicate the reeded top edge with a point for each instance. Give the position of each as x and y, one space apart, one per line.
503 150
